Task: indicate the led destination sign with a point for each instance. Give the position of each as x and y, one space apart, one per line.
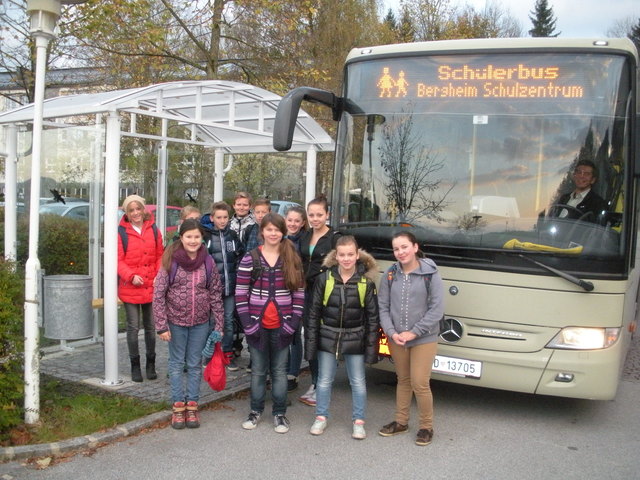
480 81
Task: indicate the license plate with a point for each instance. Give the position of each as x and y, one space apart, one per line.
457 366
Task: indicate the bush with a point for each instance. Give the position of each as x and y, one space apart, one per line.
63 247
11 345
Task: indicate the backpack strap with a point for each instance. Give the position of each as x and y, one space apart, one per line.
330 284
328 288
122 231
208 266
256 270
172 272
391 273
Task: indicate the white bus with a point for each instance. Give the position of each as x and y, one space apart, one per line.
472 145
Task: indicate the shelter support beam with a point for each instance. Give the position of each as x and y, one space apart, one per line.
218 175
310 188
10 193
111 189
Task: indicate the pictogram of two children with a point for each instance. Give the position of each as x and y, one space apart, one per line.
387 83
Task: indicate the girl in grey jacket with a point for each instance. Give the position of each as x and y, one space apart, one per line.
411 306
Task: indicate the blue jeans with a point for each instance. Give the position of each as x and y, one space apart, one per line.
327 365
295 353
273 360
186 346
229 304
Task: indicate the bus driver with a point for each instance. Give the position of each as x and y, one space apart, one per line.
584 203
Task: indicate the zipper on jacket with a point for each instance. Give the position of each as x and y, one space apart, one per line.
341 289
223 248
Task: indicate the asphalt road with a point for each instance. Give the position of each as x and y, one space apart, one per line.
479 434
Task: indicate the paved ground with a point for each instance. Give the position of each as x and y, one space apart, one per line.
86 364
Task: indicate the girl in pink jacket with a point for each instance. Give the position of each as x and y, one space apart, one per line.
186 301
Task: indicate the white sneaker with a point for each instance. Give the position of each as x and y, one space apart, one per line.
280 423
358 431
309 398
252 420
319 424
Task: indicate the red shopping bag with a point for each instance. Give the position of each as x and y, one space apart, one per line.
215 373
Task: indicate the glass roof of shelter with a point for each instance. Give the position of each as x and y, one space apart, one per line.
235 117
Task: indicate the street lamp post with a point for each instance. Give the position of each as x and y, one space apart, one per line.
43 16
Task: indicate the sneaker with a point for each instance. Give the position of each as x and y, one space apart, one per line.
252 420
292 383
281 423
309 398
358 431
178 416
232 366
193 419
393 428
424 437
319 424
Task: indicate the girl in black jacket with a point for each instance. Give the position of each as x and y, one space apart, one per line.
314 246
343 325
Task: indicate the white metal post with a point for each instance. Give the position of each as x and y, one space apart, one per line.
32 268
111 188
161 182
218 176
310 189
10 193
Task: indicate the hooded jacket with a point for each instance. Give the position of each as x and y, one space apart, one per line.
187 301
143 257
343 326
312 262
406 305
226 250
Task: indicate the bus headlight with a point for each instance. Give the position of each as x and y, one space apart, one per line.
582 338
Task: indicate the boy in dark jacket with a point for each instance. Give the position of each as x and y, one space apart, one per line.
226 249
343 325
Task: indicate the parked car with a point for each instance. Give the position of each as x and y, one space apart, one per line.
173 217
77 210
282 206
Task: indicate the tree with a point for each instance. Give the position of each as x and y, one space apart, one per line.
634 35
440 19
411 173
18 55
544 24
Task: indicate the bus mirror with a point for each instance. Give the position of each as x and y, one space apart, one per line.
289 107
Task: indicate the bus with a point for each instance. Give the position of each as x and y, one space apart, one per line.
473 145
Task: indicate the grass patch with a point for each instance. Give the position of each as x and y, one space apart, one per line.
69 410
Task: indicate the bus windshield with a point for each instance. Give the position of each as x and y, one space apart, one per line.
477 155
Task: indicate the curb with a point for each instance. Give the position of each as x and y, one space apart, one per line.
95 440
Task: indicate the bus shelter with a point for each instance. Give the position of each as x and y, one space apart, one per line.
225 118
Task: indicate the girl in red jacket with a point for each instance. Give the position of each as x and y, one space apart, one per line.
139 253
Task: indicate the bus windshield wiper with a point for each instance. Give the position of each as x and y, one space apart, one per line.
588 286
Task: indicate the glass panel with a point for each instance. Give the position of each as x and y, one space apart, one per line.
471 171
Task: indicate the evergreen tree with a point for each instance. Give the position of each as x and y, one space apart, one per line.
634 35
543 21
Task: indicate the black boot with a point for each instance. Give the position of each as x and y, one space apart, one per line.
136 373
151 367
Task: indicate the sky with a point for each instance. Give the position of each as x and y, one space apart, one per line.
575 18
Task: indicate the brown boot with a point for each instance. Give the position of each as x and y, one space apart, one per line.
178 417
193 420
